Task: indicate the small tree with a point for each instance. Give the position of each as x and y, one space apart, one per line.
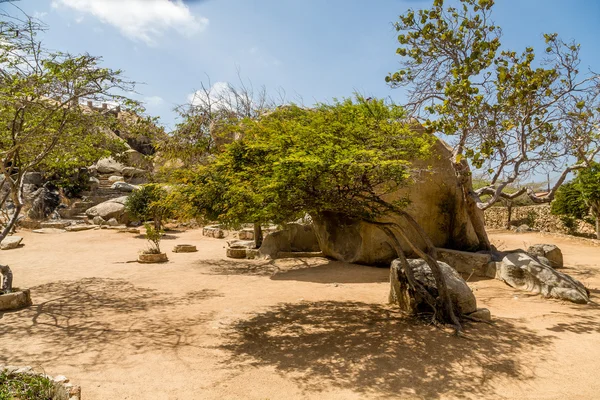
581 197
506 112
42 125
342 158
149 203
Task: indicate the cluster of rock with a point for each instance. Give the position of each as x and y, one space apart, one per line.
62 389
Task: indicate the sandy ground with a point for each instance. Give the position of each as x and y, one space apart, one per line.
205 327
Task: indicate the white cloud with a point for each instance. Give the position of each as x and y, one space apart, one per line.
216 95
153 100
144 20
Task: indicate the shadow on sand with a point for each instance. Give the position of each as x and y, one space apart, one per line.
376 351
102 319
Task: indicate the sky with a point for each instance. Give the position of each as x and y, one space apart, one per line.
313 50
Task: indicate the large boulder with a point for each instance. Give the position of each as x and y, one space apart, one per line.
109 166
10 242
548 252
124 187
461 294
294 237
436 202
114 208
523 272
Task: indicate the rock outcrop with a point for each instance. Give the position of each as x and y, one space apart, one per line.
523 272
436 204
547 254
461 294
294 237
114 208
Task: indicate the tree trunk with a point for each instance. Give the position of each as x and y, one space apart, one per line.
17 197
258 235
464 179
597 226
509 218
11 223
7 278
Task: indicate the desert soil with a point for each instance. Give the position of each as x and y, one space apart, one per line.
206 327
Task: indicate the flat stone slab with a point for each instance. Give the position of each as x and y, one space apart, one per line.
15 300
128 230
11 242
79 228
49 230
55 224
300 254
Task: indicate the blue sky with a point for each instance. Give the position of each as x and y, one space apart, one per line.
314 50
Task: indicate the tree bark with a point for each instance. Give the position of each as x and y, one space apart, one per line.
258 235
7 279
509 217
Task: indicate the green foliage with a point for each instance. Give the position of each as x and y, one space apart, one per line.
508 112
343 158
569 202
154 236
25 387
149 202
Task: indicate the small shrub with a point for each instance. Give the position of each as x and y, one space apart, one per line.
531 218
154 236
570 223
149 203
25 387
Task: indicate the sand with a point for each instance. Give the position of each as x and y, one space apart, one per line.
205 327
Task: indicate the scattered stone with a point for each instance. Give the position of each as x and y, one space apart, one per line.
10 242
184 248
236 252
124 187
128 230
523 272
112 222
482 314
461 294
79 228
55 224
98 220
61 379
246 234
115 178
108 166
213 231
49 230
523 228
548 254
131 172
114 208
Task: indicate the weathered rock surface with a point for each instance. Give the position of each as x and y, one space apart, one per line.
55 224
48 230
184 248
98 220
79 228
10 242
109 166
482 314
436 203
213 231
132 172
294 238
15 300
523 272
115 178
461 294
465 262
112 222
548 252
124 187
114 208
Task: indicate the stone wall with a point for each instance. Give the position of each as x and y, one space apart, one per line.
539 215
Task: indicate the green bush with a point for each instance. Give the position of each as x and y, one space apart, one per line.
25 387
149 203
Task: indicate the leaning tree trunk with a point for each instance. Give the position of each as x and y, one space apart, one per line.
17 198
464 178
442 305
7 279
258 236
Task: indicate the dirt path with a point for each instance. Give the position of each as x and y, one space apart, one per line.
204 327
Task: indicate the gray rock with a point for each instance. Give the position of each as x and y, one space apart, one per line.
131 172
10 242
48 230
33 178
293 238
94 183
482 314
548 252
98 220
523 228
114 208
523 272
465 262
124 187
115 178
109 166
79 228
461 294
112 222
